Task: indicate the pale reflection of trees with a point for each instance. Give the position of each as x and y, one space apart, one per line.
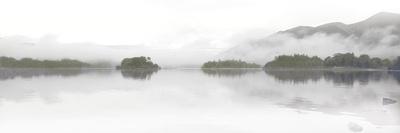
139 74
349 78
229 72
337 77
396 75
301 76
8 74
47 90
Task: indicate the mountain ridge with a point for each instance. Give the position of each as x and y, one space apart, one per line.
377 35
379 20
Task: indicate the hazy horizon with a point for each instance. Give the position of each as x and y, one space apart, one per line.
175 33
199 66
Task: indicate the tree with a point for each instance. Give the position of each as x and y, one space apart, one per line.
337 60
386 63
363 61
7 62
396 64
229 64
375 63
33 63
295 61
138 63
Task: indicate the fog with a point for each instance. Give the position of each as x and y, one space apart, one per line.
253 45
177 32
181 35
377 42
48 47
192 51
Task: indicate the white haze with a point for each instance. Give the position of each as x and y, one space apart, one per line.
265 49
187 48
193 47
176 32
49 48
173 33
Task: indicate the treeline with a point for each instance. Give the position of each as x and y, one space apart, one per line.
295 61
229 64
396 64
9 62
348 60
138 63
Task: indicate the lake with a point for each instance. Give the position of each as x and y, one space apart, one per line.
198 101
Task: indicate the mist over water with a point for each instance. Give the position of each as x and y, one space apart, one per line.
199 66
377 36
252 46
193 100
48 47
374 42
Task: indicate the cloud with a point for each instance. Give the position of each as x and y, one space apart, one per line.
379 42
192 47
193 51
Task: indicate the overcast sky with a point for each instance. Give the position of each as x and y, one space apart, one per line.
173 23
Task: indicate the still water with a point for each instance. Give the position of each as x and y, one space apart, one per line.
198 101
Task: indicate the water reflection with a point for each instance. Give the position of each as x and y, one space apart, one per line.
178 97
396 75
337 77
9 74
323 91
296 76
349 78
25 84
300 103
229 72
143 74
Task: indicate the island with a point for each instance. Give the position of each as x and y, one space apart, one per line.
10 62
229 64
339 60
295 61
134 63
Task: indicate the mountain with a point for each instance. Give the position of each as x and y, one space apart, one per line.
330 28
377 21
378 35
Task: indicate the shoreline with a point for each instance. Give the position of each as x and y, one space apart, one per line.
341 69
199 68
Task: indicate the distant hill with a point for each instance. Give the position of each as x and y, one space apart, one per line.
377 21
381 29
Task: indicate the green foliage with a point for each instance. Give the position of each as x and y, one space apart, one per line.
337 60
396 64
138 63
342 60
10 62
295 61
229 64
350 60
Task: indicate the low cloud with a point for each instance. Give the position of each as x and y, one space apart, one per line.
192 53
379 42
191 48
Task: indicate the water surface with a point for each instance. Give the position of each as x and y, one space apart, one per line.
195 100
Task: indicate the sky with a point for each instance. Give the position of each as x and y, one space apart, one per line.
138 22
213 25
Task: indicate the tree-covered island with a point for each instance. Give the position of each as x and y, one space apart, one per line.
9 62
344 60
141 62
229 64
295 61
